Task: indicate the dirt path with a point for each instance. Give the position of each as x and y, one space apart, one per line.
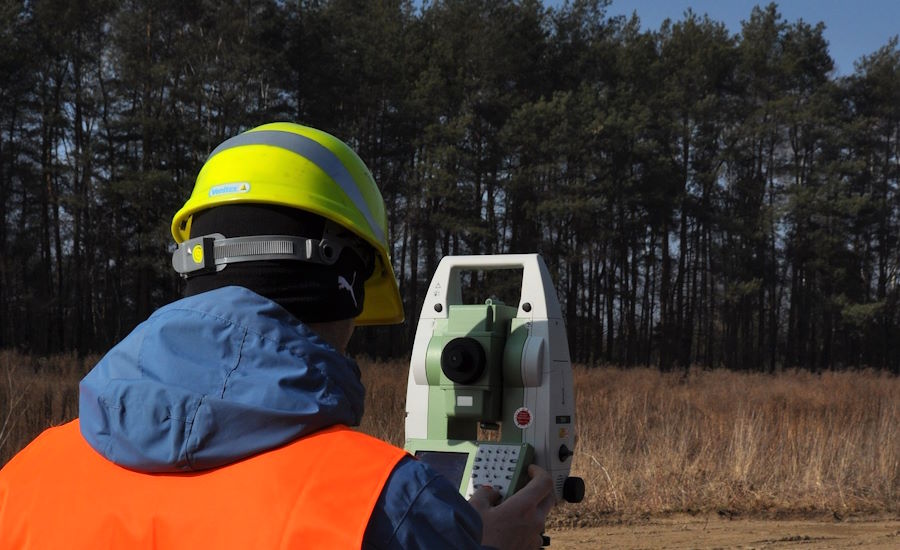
715 533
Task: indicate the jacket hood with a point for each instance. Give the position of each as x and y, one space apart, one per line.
212 379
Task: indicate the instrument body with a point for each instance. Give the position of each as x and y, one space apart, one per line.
491 364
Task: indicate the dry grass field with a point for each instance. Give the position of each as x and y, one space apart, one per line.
36 393
650 445
793 444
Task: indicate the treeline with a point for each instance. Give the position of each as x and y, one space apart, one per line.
700 197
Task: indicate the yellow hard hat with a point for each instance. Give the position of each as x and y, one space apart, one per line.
300 167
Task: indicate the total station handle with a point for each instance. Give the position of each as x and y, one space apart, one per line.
538 299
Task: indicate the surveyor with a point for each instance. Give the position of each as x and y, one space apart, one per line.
222 420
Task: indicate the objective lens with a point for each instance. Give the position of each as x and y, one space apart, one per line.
463 360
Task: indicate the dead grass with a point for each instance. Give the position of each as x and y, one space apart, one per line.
649 444
36 393
794 443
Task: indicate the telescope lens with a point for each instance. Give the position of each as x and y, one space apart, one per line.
463 360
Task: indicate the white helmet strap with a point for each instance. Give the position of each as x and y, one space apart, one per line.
213 252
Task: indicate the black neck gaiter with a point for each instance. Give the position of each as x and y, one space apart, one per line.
311 292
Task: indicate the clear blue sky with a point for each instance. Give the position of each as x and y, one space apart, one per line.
853 28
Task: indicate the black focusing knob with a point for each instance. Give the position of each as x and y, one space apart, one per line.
463 360
573 489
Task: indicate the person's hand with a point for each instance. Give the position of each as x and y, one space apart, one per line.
518 522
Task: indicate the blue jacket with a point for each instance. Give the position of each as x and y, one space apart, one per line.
214 378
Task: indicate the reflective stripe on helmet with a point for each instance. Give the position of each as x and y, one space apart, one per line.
314 152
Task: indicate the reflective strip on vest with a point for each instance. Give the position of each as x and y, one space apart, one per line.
317 492
314 152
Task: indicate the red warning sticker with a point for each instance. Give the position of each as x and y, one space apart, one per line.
522 418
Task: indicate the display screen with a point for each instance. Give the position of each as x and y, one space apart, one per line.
450 465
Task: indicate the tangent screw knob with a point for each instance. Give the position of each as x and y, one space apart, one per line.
573 489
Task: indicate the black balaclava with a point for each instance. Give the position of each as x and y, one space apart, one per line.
311 292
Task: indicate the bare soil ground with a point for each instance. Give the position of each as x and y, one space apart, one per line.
718 533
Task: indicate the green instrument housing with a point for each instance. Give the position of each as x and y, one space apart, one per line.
490 387
455 410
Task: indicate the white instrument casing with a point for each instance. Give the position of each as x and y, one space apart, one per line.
548 395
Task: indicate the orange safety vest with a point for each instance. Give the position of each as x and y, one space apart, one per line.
316 492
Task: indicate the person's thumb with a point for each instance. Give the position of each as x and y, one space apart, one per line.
483 498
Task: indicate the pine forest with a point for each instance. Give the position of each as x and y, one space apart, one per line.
702 198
